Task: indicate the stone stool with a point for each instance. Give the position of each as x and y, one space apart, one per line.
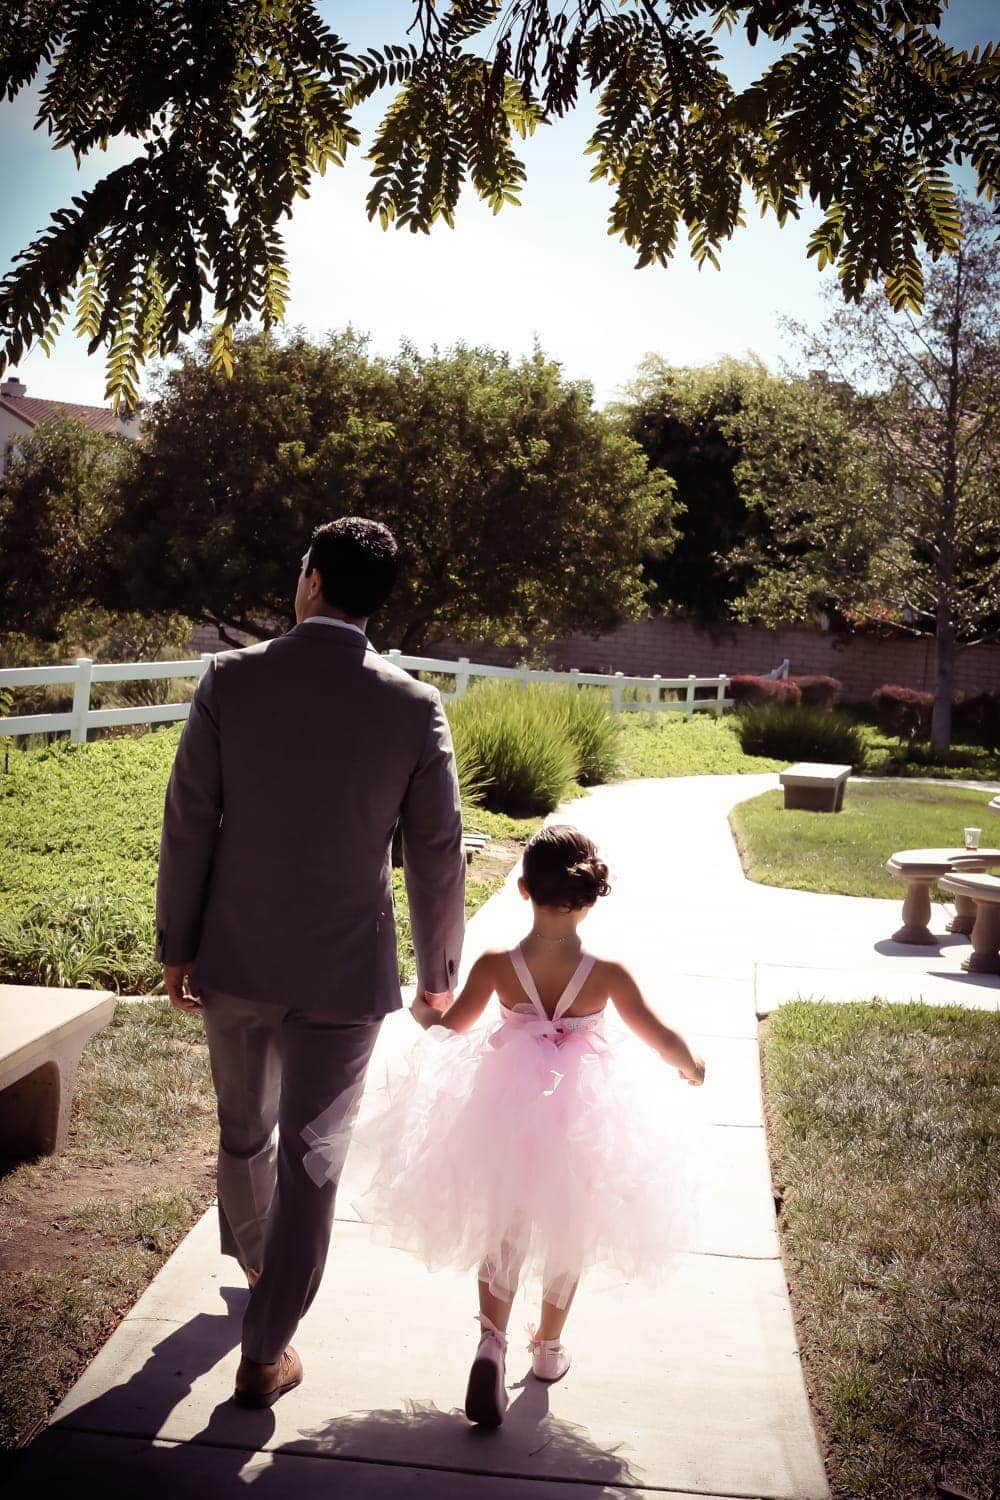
922 868
984 892
43 1031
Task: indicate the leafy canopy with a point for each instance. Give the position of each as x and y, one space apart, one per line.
234 107
521 511
55 510
914 538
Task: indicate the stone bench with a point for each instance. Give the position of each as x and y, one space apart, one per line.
994 805
922 868
472 843
814 786
43 1031
984 892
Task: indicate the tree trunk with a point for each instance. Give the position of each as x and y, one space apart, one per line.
944 684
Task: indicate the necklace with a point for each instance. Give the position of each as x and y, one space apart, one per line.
572 938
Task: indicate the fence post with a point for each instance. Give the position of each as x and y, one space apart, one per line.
81 699
689 696
617 692
462 677
654 695
574 672
206 659
720 693
525 674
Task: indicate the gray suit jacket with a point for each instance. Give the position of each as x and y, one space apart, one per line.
299 756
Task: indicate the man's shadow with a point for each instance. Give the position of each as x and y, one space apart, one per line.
350 1454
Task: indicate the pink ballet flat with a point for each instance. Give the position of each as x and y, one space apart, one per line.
550 1359
486 1396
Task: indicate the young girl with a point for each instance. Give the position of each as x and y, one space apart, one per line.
534 1147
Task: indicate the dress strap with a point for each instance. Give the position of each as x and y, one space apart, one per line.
527 983
579 979
569 994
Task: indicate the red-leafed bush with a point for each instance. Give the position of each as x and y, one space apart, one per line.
818 691
977 719
904 712
759 690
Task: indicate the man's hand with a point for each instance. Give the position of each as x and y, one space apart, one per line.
438 1000
182 995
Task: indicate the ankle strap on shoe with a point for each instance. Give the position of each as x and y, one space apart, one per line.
488 1326
534 1342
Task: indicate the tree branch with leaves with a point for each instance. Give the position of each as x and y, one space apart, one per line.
234 108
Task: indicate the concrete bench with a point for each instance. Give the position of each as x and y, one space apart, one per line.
922 868
994 805
984 892
42 1034
814 786
472 843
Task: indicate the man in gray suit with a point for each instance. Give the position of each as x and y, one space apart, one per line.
275 912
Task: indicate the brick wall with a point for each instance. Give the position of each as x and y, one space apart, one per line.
674 648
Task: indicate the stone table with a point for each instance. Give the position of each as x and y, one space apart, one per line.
922 868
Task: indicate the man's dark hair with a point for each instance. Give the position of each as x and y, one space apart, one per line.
357 561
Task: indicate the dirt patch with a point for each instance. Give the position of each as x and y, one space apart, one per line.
495 860
35 1229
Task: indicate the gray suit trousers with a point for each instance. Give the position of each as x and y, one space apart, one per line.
275 1069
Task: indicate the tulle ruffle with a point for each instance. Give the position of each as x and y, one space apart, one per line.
527 1151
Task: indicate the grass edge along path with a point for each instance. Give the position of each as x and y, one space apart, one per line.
884 1135
845 853
106 1213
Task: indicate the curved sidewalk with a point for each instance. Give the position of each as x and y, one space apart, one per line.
695 1391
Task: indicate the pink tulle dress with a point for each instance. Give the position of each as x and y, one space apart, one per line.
535 1148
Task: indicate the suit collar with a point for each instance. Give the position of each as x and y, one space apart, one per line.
352 639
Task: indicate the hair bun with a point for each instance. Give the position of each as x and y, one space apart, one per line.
563 870
590 876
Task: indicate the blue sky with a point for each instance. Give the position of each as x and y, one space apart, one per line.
547 270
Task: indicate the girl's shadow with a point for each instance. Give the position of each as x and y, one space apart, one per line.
532 1444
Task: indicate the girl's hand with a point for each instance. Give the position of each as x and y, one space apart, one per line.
425 1015
695 1076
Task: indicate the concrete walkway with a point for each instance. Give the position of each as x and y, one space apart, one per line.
696 1391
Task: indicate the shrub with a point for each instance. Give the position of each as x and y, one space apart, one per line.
93 941
524 759
818 691
798 734
903 712
977 718
760 690
593 730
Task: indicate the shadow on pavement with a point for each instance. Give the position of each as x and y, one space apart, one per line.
107 1445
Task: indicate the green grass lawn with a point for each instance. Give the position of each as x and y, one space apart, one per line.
845 853
667 744
885 1140
80 837
83 1232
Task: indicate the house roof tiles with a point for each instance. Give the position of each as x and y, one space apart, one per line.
32 410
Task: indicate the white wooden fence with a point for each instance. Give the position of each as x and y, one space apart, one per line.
628 694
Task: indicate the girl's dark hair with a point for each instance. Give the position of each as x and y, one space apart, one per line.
562 868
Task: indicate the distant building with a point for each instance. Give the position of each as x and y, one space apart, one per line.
21 413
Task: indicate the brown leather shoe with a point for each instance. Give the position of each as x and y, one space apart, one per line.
260 1385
